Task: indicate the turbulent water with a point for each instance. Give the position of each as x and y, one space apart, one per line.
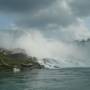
68 50
62 79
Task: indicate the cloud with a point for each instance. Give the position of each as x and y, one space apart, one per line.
23 5
80 7
43 13
61 12
57 13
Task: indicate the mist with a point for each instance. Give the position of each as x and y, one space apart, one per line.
67 51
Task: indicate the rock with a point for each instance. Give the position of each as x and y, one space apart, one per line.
19 59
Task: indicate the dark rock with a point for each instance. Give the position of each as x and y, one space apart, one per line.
8 59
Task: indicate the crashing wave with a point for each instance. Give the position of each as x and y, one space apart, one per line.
60 53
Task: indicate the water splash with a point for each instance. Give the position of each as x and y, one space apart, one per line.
51 53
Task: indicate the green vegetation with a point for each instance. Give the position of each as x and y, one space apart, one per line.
8 59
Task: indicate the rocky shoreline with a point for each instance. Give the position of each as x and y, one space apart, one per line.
17 58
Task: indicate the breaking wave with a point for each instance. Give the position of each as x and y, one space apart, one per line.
51 52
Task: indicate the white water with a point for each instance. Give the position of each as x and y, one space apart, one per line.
66 52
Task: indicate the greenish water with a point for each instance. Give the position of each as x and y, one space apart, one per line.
63 79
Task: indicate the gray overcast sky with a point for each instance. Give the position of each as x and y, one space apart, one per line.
43 13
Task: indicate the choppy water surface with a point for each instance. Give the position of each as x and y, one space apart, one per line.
62 79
